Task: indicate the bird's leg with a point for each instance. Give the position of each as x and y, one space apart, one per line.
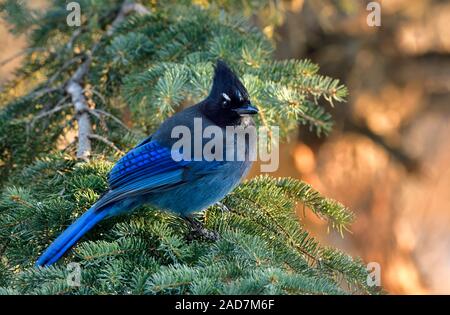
198 230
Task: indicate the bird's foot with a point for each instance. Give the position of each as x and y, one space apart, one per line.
223 207
198 230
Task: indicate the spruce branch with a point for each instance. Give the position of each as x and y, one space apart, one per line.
338 216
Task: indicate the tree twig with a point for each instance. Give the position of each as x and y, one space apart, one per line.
106 141
74 36
104 113
98 112
59 106
20 53
127 8
40 92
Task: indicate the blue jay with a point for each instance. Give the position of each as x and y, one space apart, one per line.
148 174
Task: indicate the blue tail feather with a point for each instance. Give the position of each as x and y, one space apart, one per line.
71 235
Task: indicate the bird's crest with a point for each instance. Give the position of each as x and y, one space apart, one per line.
227 84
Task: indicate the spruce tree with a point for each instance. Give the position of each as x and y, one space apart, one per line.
139 63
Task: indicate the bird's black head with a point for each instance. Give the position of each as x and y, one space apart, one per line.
228 100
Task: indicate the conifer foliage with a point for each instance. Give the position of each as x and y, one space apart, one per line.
112 81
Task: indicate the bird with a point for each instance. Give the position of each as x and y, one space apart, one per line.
149 175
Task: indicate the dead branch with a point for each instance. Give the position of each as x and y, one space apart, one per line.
75 90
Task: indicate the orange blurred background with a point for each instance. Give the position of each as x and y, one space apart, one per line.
388 157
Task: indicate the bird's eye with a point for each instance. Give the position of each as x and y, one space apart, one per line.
226 99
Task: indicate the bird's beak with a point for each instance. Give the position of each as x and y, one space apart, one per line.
246 110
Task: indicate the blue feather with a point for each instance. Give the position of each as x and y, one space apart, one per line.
149 159
70 236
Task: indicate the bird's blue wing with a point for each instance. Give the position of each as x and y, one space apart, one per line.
145 160
150 167
141 186
146 168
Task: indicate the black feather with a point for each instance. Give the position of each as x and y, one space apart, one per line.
226 81
227 93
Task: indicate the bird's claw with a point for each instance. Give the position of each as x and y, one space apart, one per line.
198 230
223 207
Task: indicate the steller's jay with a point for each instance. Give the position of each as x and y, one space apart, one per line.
148 174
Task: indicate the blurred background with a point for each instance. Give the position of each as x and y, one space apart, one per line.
388 157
